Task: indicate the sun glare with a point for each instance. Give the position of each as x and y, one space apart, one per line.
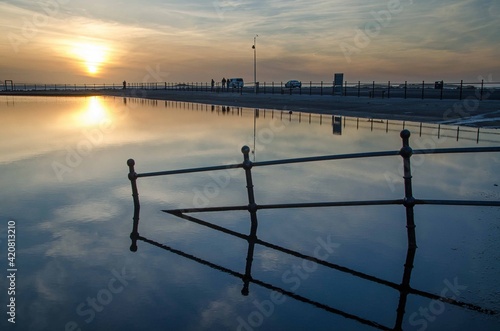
92 56
94 113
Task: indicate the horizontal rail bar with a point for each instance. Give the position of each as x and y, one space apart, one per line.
377 280
327 158
457 150
266 285
338 204
320 305
332 204
457 202
329 264
454 302
192 257
209 225
191 170
288 251
266 163
204 210
289 205
322 158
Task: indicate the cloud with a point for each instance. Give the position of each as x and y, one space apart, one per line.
198 38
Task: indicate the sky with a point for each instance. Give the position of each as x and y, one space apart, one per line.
96 41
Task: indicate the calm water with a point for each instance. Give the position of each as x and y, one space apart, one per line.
64 179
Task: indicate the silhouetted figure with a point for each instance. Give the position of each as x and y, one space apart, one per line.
213 83
223 83
124 85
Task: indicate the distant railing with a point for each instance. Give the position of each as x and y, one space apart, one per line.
408 202
32 87
417 90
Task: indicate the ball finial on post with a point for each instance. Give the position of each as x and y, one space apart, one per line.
405 135
131 173
406 151
245 149
247 164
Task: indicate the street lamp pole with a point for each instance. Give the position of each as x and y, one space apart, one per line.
255 62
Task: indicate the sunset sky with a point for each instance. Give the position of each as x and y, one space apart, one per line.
95 41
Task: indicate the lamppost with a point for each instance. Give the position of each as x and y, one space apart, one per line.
255 62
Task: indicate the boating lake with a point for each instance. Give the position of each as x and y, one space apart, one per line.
65 191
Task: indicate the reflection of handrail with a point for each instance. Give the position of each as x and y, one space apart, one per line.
271 287
439 129
182 214
408 202
404 288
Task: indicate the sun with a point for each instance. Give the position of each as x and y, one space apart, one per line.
91 56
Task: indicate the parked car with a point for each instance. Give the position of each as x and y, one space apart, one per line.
293 84
235 82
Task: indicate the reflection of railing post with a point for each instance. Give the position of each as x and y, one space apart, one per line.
252 208
409 201
405 287
132 175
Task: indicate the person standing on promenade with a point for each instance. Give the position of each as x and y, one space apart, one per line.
223 83
213 83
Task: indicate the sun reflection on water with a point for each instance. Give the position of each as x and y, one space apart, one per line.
94 113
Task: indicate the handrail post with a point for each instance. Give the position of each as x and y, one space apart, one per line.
132 175
252 208
409 201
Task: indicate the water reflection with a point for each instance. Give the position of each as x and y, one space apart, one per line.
409 202
339 123
74 232
95 113
403 288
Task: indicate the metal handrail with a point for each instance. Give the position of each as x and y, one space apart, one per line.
408 201
320 158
